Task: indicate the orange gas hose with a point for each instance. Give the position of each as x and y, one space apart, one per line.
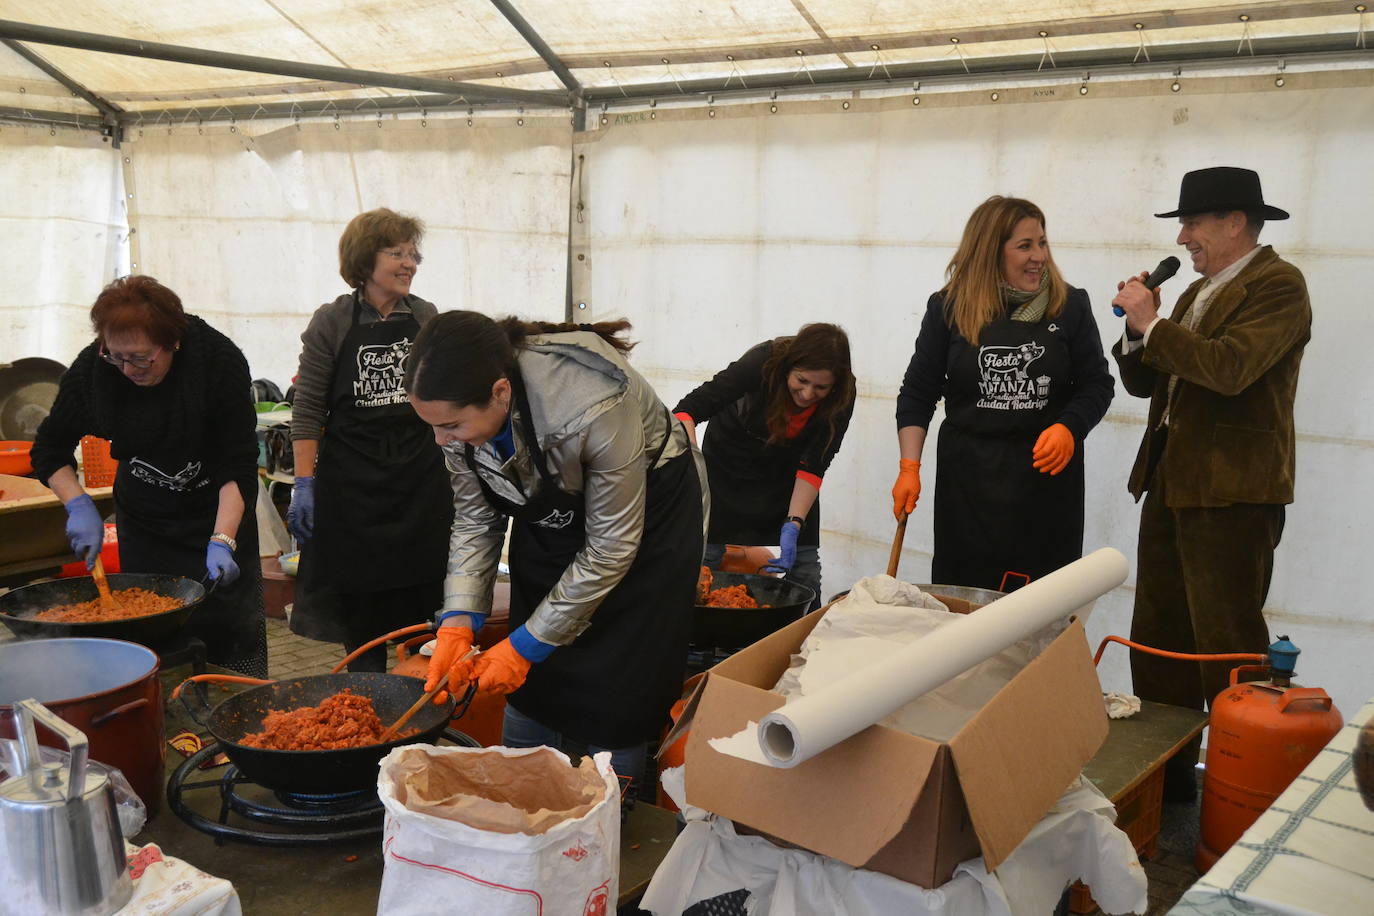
394 634
1186 656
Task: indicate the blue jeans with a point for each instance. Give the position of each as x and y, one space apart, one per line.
805 571
519 730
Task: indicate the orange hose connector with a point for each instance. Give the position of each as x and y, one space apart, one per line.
394 634
1185 656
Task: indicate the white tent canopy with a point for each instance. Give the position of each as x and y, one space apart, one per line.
729 190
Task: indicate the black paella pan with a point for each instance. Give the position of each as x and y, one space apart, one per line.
18 608
316 772
735 628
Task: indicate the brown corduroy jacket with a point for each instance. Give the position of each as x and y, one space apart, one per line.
1231 437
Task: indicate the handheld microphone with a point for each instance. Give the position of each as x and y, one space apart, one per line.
1166 269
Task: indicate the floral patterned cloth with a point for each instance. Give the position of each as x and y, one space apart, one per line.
164 886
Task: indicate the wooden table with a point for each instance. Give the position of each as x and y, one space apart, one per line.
1138 746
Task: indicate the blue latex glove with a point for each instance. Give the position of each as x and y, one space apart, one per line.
530 647
219 563
85 530
787 543
300 516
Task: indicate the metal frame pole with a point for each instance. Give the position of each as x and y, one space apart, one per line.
88 41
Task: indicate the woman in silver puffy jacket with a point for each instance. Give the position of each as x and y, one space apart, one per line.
549 426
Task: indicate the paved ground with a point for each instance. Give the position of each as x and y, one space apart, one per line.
289 655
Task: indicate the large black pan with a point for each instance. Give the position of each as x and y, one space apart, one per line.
318 772
17 608
735 628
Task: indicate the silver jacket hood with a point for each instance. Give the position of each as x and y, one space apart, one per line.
598 423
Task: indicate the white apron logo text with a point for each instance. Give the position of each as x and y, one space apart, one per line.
381 369
185 479
1005 380
556 519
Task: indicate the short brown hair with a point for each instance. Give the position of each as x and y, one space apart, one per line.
139 303
368 233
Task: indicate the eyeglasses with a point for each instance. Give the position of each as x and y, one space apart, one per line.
397 254
137 362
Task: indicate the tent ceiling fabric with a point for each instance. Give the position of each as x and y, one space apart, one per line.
615 45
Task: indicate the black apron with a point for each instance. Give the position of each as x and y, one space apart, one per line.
383 503
998 520
165 513
613 686
751 480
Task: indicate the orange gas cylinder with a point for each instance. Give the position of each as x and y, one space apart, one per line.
675 754
1260 737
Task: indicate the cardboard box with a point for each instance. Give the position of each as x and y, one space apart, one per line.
895 803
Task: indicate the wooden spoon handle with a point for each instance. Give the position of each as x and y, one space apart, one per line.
896 556
390 733
101 585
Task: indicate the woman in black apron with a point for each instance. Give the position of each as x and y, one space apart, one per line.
777 417
1018 404
173 396
549 426
371 506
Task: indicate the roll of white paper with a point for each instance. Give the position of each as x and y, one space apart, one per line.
803 728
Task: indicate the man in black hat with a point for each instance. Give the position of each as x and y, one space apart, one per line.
1216 462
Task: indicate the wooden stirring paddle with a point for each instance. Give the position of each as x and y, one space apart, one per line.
102 585
395 727
896 556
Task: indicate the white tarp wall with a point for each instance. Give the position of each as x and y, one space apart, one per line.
63 226
246 228
715 231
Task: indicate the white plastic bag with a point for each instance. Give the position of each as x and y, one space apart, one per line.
498 831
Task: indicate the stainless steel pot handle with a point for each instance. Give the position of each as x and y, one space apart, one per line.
30 756
104 717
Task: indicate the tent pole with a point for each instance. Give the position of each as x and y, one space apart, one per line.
224 60
535 41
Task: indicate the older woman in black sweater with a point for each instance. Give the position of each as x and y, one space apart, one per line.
173 396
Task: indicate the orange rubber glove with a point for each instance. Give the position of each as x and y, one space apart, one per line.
907 489
501 669
1053 450
451 647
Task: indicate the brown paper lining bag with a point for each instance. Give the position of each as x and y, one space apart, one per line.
491 790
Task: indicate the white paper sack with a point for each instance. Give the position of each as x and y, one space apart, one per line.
434 864
1076 839
877 618
808 725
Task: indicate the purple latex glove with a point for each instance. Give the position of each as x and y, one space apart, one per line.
85 530
219 563
787 543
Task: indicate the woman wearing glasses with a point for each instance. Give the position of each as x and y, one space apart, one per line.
172 395
371 506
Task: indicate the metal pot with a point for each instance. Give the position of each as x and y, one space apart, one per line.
315 772
106 688
18 607
59 830
735 628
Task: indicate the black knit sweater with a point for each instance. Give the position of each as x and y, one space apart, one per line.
203 406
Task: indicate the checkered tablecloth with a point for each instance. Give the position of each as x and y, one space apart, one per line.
1312 852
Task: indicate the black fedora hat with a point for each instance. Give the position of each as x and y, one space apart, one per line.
1221 189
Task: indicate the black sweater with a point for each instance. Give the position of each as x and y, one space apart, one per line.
204 405
924 382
